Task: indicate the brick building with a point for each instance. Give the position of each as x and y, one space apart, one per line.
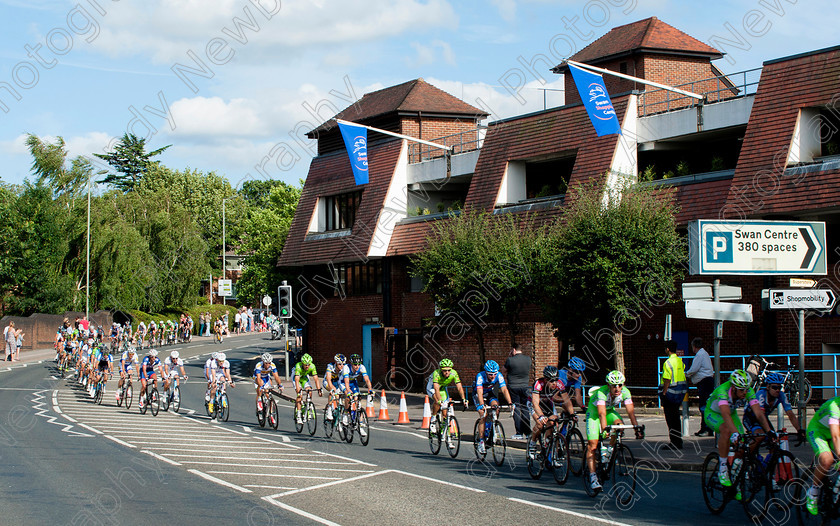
758 149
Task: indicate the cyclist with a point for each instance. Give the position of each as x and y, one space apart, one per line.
824 437
769 398
331 379
219 372
152 332
601 412
208 374
148 371
721 416
84 359
349 381
570 381
140 335
128 362
304 371
437 383
104 364
541 405
264 372
491 379
170 368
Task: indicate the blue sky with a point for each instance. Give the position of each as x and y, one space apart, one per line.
264 71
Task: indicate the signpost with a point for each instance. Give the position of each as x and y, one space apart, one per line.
812 299
266 300
715 310
760 248
703 291
225 287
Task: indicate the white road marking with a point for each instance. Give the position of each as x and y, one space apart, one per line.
252 474
219 481
160 457
284 438
118 441
573 513
258 459
301 512
326 484
308 468
390 430
98 432
17 389
438 481
206 452
69 418
263 486
345 458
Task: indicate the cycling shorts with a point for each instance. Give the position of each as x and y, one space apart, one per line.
819 437
487 400
262 381
173 374
593 423
715 420
354 387
151 375
102 366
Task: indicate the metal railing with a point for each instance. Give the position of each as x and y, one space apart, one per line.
714 89
463 142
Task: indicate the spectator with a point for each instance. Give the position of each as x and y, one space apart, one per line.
209 320
518 371
237 319
10 338
201 324
702 374
250 319
674 388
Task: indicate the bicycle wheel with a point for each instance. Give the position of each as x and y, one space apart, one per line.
478 432
714 493
120 398
587 476
176 399
261 410
364 429
143 402
453 441
342 427
754 493
225 408
273 414
298 416
97 397
805 395
435 434
560 459
311 418
154 401
128 394
621 480
575 450
164 402
350 429
824 502
534 458
329 423
499 443
782 476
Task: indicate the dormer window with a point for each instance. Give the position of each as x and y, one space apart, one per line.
336 212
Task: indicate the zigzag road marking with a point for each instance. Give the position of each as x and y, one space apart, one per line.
39 404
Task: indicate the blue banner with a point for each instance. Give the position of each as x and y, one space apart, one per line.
597 101
355 140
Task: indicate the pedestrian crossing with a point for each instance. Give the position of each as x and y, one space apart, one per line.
248 461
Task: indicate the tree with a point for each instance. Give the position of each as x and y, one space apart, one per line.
130 160
49 165
611 261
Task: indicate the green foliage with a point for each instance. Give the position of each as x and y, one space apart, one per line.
648 174
717 164
130 161
49 165
682 168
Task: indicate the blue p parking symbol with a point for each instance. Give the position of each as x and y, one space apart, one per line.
719 247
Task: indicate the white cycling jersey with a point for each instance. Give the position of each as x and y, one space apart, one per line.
173 366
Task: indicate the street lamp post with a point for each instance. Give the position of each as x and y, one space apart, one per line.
224 249
87 279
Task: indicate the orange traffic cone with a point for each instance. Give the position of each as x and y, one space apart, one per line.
427 414
403 416
383 408
369 406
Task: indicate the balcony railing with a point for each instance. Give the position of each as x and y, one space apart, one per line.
714 89
466 141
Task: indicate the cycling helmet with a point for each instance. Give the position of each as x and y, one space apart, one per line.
131 350
221 357
740 379
491 367
215 356
174 355
774 378
306 359
355 359
267 358
90 341
615 378
576 364
153 352
550 372
340 358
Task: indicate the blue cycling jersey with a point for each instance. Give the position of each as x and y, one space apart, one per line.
265 371
750 419
483 380
567 385
149 366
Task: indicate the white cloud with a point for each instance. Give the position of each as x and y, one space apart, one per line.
429 54
507 9
501 103
212 116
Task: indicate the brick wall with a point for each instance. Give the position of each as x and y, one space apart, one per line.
337 327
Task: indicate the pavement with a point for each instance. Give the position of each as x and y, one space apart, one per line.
654 452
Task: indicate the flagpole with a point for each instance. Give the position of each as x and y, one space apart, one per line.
635 79
399 135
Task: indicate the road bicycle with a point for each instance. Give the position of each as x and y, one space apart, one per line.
615 467
759 368
332 413
445 429
550 453
575 444
828 503
218 407
99 389
267 412
172 395
218 336
354 419
776 475
306 414
149 398
126 393
493 435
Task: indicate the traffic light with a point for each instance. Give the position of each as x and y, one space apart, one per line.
284 301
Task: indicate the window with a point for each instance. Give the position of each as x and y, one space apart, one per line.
360 278
829 132
340 210
547 178
622 67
